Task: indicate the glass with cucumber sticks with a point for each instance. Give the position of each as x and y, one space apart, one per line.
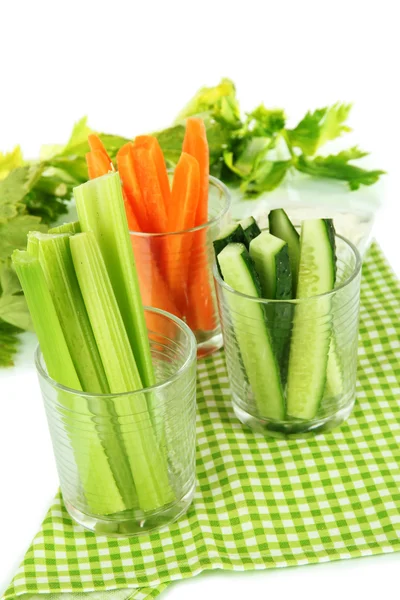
118 380
289 307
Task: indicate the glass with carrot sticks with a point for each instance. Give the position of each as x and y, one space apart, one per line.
173 219
175 270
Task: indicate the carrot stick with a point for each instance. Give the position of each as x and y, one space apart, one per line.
130 215
201 312
185 194
153 288
151 144
131 186
195 143
184 199
147 175
98 164
95 143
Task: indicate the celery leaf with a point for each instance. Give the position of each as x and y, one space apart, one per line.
338 167
319 127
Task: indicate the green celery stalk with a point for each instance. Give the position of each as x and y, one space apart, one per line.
147 462
100 207
33 244
72 228
56 261
94 469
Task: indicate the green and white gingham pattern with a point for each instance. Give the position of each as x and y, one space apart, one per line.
260 503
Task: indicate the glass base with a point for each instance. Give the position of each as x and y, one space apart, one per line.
296 428
132 523
208 342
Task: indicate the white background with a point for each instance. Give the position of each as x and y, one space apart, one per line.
130 66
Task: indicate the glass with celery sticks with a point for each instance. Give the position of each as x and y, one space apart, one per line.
154 467
292 363
175 270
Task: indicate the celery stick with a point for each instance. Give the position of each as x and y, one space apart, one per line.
56 261
47 326
147 463
33 244
93 467
72 228
100 207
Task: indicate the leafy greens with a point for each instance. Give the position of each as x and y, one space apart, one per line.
253 152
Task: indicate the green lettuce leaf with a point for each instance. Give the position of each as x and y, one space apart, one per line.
13 233
9 282
8 343
14 311
10 161
13 307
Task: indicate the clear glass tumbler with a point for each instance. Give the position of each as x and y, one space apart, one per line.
175 270
126 462
315 337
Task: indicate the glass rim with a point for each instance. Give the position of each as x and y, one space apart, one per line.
296 301
228 201
190 358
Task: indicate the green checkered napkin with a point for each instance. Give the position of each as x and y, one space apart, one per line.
260 503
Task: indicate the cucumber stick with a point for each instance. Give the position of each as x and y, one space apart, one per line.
271 260
311 333
232 233
56 261
281 226
248 320
242 232
147 463
334 372
101 210
91 459
250 230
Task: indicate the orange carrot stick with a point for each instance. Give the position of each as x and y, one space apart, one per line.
130 215
184 200
95 143
147 176
153 287
195 143
185 194
151 144
98 164
131 185
201 311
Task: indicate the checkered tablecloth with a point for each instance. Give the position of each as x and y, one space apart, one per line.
260 503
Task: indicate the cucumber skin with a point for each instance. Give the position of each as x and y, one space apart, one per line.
281 226
276 284
330 228
282 314
304 397
250 232
236 236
